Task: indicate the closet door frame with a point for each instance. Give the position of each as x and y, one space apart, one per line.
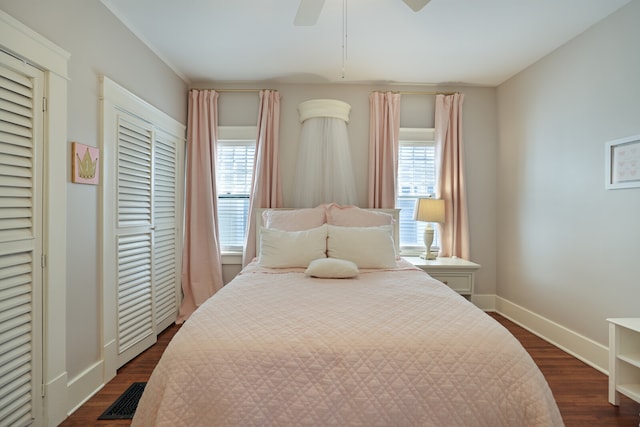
116 102
21 245
20 41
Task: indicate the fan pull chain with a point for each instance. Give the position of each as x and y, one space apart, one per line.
344 36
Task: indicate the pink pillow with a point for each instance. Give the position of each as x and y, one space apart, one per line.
294 219
353 216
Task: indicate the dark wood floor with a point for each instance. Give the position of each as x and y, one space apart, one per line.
581 391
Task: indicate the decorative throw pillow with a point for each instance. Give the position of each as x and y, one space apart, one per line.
284 249
332 268
353 216
294 219
368 247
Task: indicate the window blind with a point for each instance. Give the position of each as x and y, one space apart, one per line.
234 173
416 178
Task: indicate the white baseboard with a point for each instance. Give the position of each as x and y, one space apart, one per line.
84 386
484 302
110 361
585 349
55 400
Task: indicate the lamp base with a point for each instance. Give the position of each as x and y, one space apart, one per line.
428 255
428 240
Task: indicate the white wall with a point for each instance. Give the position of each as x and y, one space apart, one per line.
479 133
568 249
98 44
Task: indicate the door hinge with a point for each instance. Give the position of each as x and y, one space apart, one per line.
43 261
44 103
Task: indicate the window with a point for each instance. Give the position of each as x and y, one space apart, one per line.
416 178
234 173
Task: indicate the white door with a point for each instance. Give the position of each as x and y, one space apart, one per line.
21 261
141 220
134 237
167 207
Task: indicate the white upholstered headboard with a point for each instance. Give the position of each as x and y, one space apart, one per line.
393 212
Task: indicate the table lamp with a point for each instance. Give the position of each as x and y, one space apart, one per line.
429 211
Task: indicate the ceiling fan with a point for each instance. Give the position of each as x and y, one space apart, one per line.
309 10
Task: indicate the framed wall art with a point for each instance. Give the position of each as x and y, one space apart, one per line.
622 163
85 164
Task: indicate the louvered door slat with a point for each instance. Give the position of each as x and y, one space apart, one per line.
134 174
13 139
15 286
164 218
15 182
16 335
165 179
14 371
13 202
134 290
17 83
16 170
19 209
16 411
164 274
14 105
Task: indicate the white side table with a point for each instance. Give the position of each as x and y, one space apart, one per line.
457 273
624 359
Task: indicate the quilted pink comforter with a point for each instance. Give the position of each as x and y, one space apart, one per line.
387 348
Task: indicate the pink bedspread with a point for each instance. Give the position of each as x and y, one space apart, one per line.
388 348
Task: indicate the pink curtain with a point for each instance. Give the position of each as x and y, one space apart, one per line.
451 185
266 188
201 262
384 133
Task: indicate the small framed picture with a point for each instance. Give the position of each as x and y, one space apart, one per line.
85 164
622 167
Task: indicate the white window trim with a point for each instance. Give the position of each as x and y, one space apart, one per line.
417 134
237 133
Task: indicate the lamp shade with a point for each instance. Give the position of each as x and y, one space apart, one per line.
429 210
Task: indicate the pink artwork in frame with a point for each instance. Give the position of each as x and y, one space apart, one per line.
85 164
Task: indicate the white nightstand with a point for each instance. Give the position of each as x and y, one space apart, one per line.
457 273
624 359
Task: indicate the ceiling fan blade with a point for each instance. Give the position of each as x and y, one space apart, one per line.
416 5
308 12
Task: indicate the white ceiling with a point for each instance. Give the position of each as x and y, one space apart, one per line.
475 42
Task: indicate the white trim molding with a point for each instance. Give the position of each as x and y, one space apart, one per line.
582 348
484 302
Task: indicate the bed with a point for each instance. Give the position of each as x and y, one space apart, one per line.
352 339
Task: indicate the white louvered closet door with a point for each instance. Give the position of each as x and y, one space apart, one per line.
141 223
21 97
134 237
166 178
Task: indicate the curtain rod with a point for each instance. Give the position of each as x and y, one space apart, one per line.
411 92
401 92
233 90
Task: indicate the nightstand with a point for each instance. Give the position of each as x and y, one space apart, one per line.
624 359
457 273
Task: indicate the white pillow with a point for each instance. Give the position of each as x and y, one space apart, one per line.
353 216
294 219
283 249
368 247
332 268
